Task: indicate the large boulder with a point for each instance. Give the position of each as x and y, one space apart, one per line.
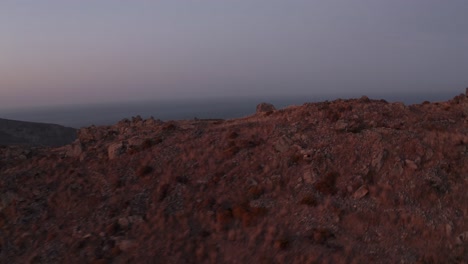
265 107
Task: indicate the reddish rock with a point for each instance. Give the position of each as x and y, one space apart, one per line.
360 193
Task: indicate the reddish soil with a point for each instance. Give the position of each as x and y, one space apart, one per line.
348 181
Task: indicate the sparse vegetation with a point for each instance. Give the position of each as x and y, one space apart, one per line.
309 200
144 170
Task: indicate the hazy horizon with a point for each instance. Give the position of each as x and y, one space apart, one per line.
225 108
94 52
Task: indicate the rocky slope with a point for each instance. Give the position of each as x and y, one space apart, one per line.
14 132
348 181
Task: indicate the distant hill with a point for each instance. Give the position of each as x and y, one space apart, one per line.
14 132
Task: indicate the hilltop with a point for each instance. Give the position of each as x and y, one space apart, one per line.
347 181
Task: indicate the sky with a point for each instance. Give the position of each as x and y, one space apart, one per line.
74 52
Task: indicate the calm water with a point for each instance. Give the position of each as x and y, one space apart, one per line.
106 114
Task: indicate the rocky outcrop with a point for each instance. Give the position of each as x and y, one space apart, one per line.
346 181
265 107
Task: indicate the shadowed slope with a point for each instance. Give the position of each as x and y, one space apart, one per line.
14 132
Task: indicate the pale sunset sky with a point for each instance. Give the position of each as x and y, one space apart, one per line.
73 52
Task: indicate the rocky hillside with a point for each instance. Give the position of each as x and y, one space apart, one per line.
348 181
34 134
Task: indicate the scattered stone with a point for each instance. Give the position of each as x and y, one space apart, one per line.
126 245
307 155
361 192
411 164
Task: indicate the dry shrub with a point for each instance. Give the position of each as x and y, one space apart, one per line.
207 203
248 143
309 200
282 244
255 192
147 143
163 192
239 211
259 211
231 151
232 135
144 170
333 116
182 179
132 151
247 214
321 235
224 218
169 127
369 178
341 109
158 140
327 184
294 159
249 218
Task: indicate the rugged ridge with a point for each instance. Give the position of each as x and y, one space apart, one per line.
348 181
14 132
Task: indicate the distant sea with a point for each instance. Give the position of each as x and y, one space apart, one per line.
106 114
